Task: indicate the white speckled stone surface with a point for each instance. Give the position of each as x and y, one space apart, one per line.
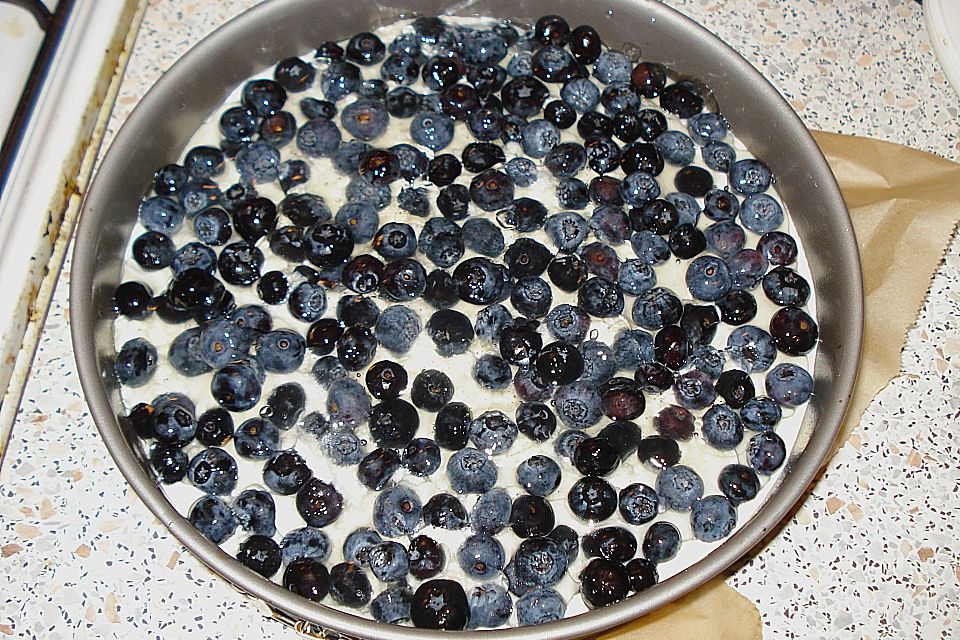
873 551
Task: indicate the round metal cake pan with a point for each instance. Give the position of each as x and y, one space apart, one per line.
161 125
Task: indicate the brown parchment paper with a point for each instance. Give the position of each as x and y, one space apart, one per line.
905 205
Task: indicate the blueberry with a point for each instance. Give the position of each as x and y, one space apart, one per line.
760 414
560 114
349 585
643 574
213 471
431 130
256 512
440 604
610 224
539 475
604 582
694 390
451 332
491 513
725 237
600 298
492 372
238 124
784 286
524 96
307 577
239 263
577 405
319 503
261 554
397 328
212 226
441 241
789 384
778 248
540 606
490 606
348 404
421 457
531 296
400 68
222 342
536 421
708 278
136 362
761 214
481 556
793 331
286 472
596 457
568 323
735 387
750 176
679 487
650 248
414 201
256 439
722 427
471 471
737 307
493 432
719 156
632 347
327 370
539 137
318 138
259 161
592 499
658 452
169 179
203 162
661 542
281 351
184 353
212 517
360 219
376 469
170 463
445 511
612 66
524 215
599 362
529 387
483 236
752 348
520 64
492 190
567 230
638 503
657 308
392 605
611 543
563 160
162 215
677 148
389 561
682 99
540 562
453 201
636 277
357 545
356 348
393 422
708 360
152 250
573 193
713 518
739 483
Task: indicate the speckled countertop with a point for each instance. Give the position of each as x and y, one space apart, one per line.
873 551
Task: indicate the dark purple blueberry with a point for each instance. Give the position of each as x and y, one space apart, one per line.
452 426
778 248
641 156
793 331
737 307
440 604
426 557
596 457
386 379
735 387
559 363
319 503
524 96
621 399
393 422
567 272
531 516
658 452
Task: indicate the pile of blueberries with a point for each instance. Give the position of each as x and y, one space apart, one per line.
571 380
